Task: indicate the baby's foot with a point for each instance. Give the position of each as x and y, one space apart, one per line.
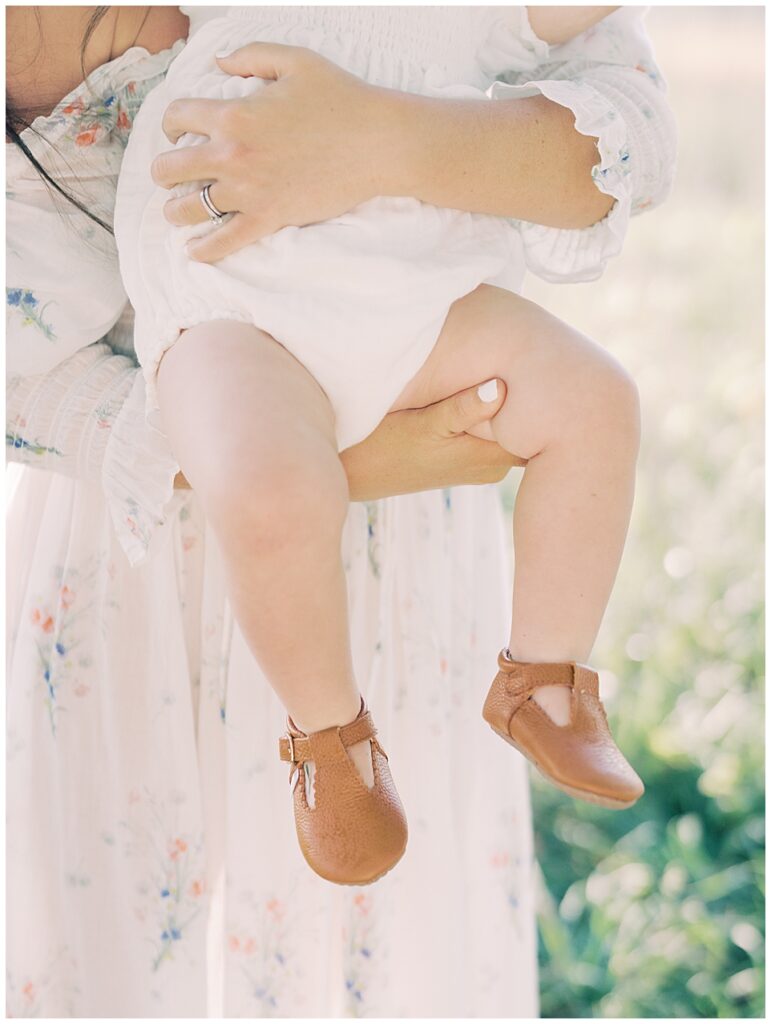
578 755
360 754
354 831
555 700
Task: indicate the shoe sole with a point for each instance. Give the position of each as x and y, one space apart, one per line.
368 881
577 794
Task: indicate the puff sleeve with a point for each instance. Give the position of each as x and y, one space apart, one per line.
74 404
608 78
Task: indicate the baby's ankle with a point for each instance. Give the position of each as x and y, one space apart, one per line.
334 714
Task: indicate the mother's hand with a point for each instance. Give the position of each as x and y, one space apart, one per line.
301 150
423 449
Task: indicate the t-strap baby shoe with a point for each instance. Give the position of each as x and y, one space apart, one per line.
580 758
352 834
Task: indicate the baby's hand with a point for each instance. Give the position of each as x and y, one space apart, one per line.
559 24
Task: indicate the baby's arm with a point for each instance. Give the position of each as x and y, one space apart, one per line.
557 25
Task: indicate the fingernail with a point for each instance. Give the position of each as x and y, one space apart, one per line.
222 54
488 391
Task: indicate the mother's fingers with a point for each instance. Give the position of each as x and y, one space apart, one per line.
190 210
197 116
190 163
233 235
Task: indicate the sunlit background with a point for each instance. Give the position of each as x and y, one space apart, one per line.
658 911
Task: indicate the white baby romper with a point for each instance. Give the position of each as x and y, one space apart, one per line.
361 298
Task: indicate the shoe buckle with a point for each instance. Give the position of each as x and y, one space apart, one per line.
290 741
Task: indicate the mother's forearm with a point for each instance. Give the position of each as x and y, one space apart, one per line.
520 158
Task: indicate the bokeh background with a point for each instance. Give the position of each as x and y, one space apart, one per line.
658 911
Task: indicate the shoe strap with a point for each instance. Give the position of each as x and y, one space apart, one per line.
297 747
524 677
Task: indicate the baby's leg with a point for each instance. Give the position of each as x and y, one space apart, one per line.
572 411
254 434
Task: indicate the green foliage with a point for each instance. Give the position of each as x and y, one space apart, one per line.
658 911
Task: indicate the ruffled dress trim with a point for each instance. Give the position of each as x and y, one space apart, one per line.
138 477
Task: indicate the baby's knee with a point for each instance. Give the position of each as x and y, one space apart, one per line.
595 400
614 400
281 496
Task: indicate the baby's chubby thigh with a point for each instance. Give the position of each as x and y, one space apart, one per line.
558 381
254 434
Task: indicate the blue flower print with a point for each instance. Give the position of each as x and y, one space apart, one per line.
17 441
25 302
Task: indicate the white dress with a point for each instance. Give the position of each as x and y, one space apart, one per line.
152 866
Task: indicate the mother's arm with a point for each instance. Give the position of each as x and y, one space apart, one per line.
425 449
580 135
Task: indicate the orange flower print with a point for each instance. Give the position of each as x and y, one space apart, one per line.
196 887
47 625
34 616
275 908
87 137
176 848
81 690
131 88
363 903
500 860
237 945
443 665
123 120
66 596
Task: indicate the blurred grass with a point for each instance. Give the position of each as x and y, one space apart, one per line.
658 911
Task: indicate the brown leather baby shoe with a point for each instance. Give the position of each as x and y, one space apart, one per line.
580 758
351 835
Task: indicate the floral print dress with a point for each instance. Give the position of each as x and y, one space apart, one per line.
152 865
